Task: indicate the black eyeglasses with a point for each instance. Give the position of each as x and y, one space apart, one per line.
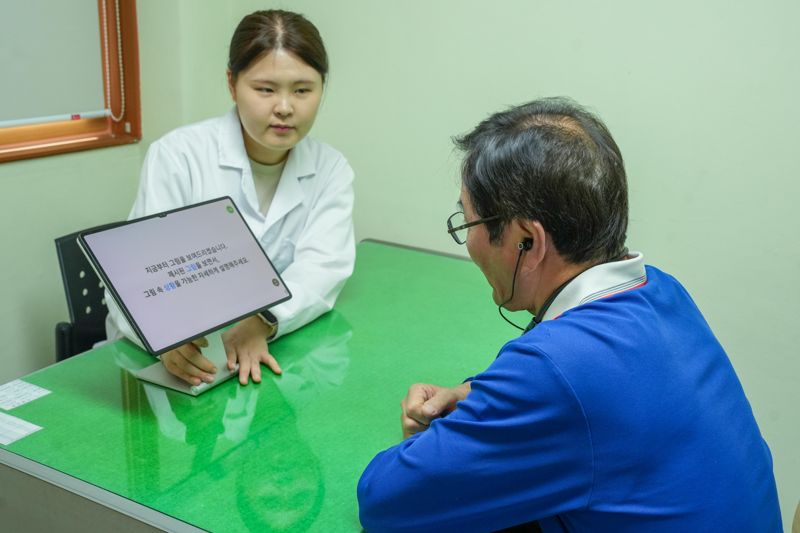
457 226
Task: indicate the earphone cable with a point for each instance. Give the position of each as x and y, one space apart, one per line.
513 283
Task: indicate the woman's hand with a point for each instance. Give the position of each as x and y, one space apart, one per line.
187 363
246 343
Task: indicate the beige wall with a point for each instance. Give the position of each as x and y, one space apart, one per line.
700 97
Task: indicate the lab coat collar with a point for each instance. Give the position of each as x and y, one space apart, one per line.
300 164
599 282
232 152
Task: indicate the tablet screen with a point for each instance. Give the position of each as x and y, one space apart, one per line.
184 273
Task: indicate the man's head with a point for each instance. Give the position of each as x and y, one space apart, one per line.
553 162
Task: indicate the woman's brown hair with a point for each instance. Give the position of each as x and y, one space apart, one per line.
262 32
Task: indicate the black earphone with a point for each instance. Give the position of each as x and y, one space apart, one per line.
525 245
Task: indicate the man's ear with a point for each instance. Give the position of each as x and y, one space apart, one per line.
530 238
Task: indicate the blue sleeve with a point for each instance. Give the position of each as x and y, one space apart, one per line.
517 449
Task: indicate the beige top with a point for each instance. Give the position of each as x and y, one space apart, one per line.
266 178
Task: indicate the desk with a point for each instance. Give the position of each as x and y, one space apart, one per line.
283 455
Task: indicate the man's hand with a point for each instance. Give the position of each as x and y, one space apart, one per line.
246 342
425 403
187 363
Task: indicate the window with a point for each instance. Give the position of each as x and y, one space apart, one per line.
43 129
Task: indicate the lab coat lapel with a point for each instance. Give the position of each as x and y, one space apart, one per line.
290 192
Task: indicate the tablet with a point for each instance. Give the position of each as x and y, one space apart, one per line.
184 273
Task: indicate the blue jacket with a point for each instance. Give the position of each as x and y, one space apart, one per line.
622 415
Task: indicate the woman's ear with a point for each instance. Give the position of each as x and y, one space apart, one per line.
231 84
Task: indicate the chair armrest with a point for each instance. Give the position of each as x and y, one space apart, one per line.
64 344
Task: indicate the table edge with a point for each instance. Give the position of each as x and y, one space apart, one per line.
101 496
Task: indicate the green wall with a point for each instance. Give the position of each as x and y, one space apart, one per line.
700 97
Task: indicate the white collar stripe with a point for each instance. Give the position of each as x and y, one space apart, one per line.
600 281
614 290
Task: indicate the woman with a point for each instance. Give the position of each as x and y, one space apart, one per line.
295 193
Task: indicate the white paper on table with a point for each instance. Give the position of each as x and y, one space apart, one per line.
18 392
13 429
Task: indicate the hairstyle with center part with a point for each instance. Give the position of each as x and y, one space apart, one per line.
262 32
551 161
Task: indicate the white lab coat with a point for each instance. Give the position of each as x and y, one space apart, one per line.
308 229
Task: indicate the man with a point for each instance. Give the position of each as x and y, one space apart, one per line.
616 410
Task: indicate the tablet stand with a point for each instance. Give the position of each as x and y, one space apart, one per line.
215 352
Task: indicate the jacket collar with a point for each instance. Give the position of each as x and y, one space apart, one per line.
598 282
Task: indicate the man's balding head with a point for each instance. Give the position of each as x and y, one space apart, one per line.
551 161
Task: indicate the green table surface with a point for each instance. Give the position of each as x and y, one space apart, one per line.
286 454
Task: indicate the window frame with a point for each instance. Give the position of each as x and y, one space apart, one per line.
38 140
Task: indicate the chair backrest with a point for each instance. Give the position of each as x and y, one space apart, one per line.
84 291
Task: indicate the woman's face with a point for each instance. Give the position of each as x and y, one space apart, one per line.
277 97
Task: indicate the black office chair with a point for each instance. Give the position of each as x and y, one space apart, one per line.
85 299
